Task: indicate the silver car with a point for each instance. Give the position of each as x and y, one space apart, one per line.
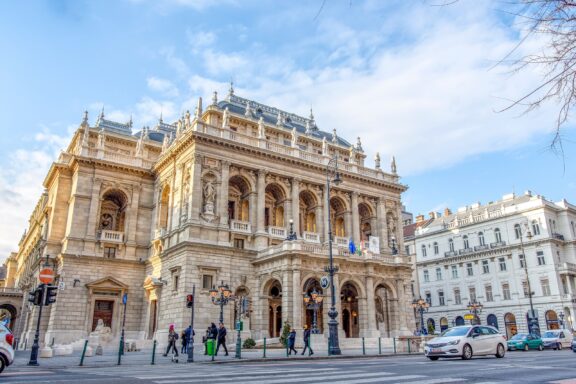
466 341
6 350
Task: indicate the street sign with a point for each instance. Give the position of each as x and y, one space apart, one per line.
468 316
324 282
46 276
125 299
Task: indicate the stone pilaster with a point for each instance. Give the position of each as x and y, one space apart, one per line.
326 204
296 296
261 192
196 187
355 235
382 226
295 210
372 330
223 200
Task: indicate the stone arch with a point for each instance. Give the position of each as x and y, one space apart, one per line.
275 200
350 295
385 309
113 205
272 290
164 207
240 293
357 284
338 211
8 315
239 190
313 315
308 205
366 216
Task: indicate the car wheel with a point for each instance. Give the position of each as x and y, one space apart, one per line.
500 351
2 364
433 358
540 347
559 346
466 352
526 347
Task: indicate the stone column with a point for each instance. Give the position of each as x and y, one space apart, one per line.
196 188
355 235
296 296
348 224
93 212
399 226
295 211
402 308
286 297
372 330
223 197
326 204
132 217
261 191
171 205
382 226
180 206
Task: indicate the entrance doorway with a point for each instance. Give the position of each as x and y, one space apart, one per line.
510 323
103 309
275 309
153 318
349 300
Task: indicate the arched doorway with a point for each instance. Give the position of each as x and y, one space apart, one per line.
510 324
275 309
8 315
459 320
552 321
366 217
384 303
492 320
311 285
338 212
238 199
274 206
349 302
431 326
242 313
308 206
443 324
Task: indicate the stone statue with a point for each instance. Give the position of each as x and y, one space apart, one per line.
187 119
101 334
324 146
261 129
106 222
225 118
334 136
209 196
294 137
377 160
393 165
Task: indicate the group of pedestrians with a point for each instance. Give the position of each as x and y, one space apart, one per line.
186 335
218 334
292 342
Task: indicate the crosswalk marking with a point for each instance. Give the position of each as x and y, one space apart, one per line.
436 381
25 373
216 376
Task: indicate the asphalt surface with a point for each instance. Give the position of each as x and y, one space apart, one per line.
516 367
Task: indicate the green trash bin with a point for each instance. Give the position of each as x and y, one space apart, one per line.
210 346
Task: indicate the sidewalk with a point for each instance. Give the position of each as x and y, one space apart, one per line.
144 357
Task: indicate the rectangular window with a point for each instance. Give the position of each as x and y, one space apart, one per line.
207 281
175 281
428 298
110 252
545 287
469 269
426 276
522 260
541 260
457 298
438 274
441 298
485 266
506 291
502 263
525 288
239 243
489 296
472 292
454 272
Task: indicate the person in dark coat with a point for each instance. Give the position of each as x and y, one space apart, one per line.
221 339
189 334
213 331
172 337
205 339
184 342
307 341
292 341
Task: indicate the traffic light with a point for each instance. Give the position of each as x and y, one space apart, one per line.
35 297
189 301
51 292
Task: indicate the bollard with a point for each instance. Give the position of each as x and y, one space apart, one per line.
394 341
83 352
363 347
408 341
379 345
52 343
153 352
286 349
25 343
264 356
328 345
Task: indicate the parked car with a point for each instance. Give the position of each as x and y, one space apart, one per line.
524 341
466 341
6 349
573 346
557 339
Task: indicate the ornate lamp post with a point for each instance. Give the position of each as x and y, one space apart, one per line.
292 235
221 297
313 302
421 306
475 308
532 322
334 346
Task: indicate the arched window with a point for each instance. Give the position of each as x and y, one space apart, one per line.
466 242
113 211
451 245
423 250
535 228
492 320
517 231
552 320
510 324
459 320
481 240
435 248
497 235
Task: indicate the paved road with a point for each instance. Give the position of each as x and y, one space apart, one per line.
516 367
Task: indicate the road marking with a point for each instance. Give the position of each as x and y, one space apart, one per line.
565 381
435 381
284 379
23 373
221 375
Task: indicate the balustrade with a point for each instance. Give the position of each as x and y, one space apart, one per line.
311 237
111 236
240 226
278 232
341 241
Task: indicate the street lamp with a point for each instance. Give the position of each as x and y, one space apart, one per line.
334 347
292 235
475 308
532 322
221 297
393 245
313 302
421 306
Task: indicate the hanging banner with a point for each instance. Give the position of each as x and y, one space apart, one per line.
374 244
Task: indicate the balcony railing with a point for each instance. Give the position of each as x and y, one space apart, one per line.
558 236
498 244
240 226
465 251
450 253
479 248
311 237
341 241
278 232
111 236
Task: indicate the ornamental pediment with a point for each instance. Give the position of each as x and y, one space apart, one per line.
107 283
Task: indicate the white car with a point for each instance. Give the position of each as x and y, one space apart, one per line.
557 338
6 350
466 341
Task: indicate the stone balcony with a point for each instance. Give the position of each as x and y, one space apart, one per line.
277 232
114 237
497 244
311 237
341 241
240 226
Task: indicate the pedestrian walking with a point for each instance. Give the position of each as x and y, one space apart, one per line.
172 337
292 341
184 342
221 339
307 341
213 331
205 339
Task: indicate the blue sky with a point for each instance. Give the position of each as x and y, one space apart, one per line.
411 79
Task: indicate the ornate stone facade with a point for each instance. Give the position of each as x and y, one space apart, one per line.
212 198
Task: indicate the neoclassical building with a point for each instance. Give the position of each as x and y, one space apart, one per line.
211 199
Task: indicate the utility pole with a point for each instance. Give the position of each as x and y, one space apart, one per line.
191 337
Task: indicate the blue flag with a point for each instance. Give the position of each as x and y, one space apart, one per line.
351 246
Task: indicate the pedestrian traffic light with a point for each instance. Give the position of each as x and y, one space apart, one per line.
189 301
35 297
51 292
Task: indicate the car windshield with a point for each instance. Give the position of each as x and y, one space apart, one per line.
459 331
550 334
519 336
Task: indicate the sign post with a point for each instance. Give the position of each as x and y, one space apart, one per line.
121 350
34 353
191 336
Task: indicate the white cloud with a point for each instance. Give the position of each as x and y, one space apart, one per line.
165 87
